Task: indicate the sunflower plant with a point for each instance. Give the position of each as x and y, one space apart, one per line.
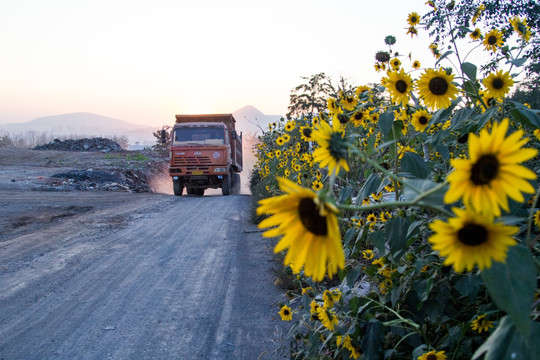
411 219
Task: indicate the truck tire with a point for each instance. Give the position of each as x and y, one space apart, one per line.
178 188
190 191
236 184
226 186
199 192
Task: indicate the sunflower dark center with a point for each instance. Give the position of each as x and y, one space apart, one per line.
438 85
498 83
472 235
431 357
307 132
358 116
286 311
475 33
343 118
423 120
310 217
485 170
413 19
401 86
492 40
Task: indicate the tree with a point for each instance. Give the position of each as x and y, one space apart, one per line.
529 92
310 98
163 140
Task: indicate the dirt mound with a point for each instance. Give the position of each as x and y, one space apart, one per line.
93 144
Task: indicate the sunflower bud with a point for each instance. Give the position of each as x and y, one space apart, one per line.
382 56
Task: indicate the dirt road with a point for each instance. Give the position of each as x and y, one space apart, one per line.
115 275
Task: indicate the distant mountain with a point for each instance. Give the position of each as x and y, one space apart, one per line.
250 120
84 124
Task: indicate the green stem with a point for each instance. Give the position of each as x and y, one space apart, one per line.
394 204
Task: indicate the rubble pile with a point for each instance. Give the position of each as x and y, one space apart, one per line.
93 144
130 180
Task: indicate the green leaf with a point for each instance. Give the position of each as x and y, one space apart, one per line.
413 164
386 121
518 62
512 285
396 233
373 340
469 70
424 185
370 186
378 240
469 285
525 115
345 194
508 343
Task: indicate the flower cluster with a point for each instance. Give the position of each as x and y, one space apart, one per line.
418 200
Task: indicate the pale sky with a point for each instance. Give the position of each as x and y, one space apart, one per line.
145 61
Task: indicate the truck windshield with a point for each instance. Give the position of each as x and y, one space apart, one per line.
195 135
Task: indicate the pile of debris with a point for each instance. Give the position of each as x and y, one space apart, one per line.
130 180
93 144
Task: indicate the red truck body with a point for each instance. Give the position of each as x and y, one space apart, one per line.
205 152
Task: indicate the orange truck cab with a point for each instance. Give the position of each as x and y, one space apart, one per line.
205 152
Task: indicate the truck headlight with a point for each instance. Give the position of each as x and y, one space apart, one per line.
220 170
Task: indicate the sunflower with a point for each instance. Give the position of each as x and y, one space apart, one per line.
349 102
399 85
492 173
470 239
330 297
367 254
289 126
481 323
537 218
488 100
333 106
475 34
347 344
316 185
360 89
420 120
412 30
333 148
359 118
285 313
436 88
371 218
433 355
478 13
314 310
413 19
521 27
416 64
309 230
395 63
280 141
498 84
327 317
380 67
493 40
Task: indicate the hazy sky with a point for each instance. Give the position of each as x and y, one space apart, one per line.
144 61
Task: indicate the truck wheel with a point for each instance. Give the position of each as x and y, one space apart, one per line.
178 188
226 186
199 192
236 184
190 191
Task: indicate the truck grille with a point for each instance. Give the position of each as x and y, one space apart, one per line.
192 161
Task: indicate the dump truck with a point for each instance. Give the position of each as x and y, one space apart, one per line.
205 152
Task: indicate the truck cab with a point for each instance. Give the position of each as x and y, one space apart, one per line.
205 152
